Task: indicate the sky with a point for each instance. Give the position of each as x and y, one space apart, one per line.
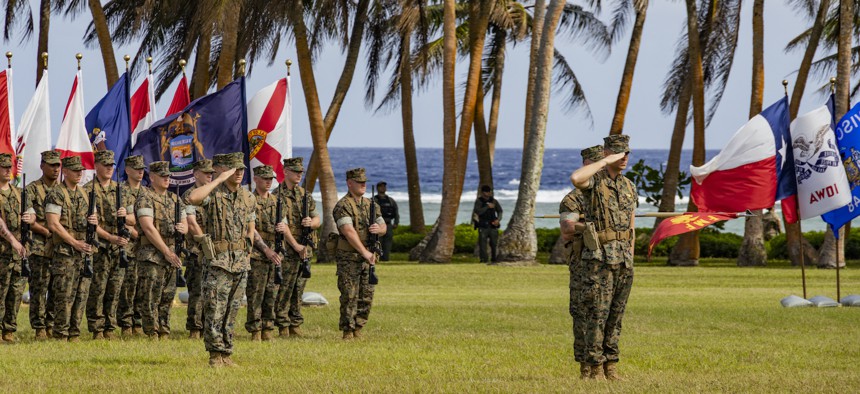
358 126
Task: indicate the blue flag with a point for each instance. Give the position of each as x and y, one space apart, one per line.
848 141
109 122
213 124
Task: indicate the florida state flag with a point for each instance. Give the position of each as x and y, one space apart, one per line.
690 221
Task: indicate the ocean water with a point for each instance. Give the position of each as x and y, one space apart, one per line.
388 164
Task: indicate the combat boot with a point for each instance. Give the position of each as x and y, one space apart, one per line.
296 332
347 334
126 332
597 372
610 370
584 371
98 335
41 334
74 339
215 360
256 337
137 331
267 335
194 334
228 362
164 336
357 333
109 335
9 337
284 332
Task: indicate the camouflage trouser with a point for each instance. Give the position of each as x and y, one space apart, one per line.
11 289
41 307
576 311
261 292
104 291
70 290
356 294
222 297
604 296
288 310
194 278
156 288
127 312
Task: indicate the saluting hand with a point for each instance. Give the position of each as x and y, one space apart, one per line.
614 157
226 174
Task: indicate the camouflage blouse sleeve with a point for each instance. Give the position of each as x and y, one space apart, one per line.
341 214
54 201
379 220
144 206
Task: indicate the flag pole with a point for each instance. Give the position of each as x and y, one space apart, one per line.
241 74
838 249
802 254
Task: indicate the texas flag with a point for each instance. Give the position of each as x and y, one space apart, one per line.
270 129
73 140
142 108
755 169
7 114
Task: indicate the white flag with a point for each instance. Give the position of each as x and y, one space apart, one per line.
35 131
73 139
822 185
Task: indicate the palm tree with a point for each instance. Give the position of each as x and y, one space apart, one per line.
623 10
229 17
44 29
752 252
73 8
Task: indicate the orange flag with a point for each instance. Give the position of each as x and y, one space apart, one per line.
685 223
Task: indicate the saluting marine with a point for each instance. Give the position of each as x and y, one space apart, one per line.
194 266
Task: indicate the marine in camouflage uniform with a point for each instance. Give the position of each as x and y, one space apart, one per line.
570 219
352 215
103 299
156 260
262 289
66 211
129 316
230 213
194 263
12 282
607 270
41 247
288 311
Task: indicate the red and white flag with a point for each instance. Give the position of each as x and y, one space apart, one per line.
181 98
7 114
73 140
142 108
35 135
270 127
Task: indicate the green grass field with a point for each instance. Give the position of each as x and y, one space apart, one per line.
471 327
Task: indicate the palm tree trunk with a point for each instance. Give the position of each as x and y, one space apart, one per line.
200 80
343 84
328 188
686 251
482 142
44 29
673 164
519 241
537 30
629 67
105 44
752 252
832 249
793 231
229 40
496 99
413 184
438 245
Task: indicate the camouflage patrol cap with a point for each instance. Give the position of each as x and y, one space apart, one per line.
73 163
135 162
161 168
595 153
294 164
204 165
356 174
5 160
104 157
229 160
618 143
51 157
265 172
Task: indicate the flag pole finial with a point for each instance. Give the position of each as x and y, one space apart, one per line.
79 56
182 64
126 58
832 84
9 58
149 64
289 64
242 63
785 86
45 60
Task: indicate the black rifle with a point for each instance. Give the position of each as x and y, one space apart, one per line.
279 241
121 230
25 231
179 241
91 233
306 239
373 239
